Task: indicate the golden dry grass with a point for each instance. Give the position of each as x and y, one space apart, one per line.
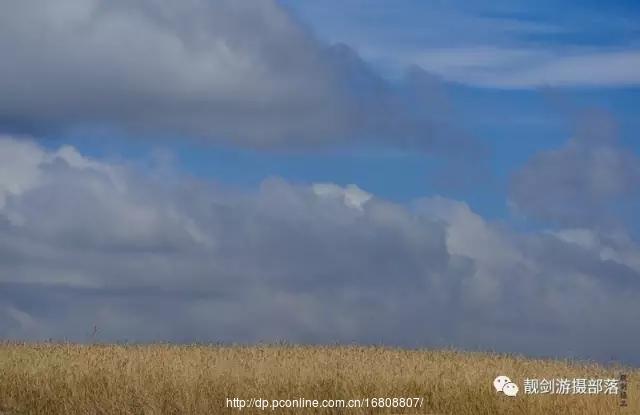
164 379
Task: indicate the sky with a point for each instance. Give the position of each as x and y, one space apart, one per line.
411 173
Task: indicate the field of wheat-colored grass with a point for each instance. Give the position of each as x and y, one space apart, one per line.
199 379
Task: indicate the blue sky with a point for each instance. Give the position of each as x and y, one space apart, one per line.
268 170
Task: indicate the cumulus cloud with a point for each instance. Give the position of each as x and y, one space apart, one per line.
84 242
224 71
352 195
591 181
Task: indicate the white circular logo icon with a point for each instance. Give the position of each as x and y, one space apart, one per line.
499 382
505 385
510 389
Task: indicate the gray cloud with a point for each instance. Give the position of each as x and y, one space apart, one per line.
245 73
84 242
592 181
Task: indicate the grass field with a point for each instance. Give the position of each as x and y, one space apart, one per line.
164 379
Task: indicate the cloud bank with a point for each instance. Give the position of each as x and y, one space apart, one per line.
85 242
245 73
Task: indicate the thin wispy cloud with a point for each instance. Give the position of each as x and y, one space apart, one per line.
530 68
505 45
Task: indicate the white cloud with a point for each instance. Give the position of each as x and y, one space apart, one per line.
352 195
615 247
